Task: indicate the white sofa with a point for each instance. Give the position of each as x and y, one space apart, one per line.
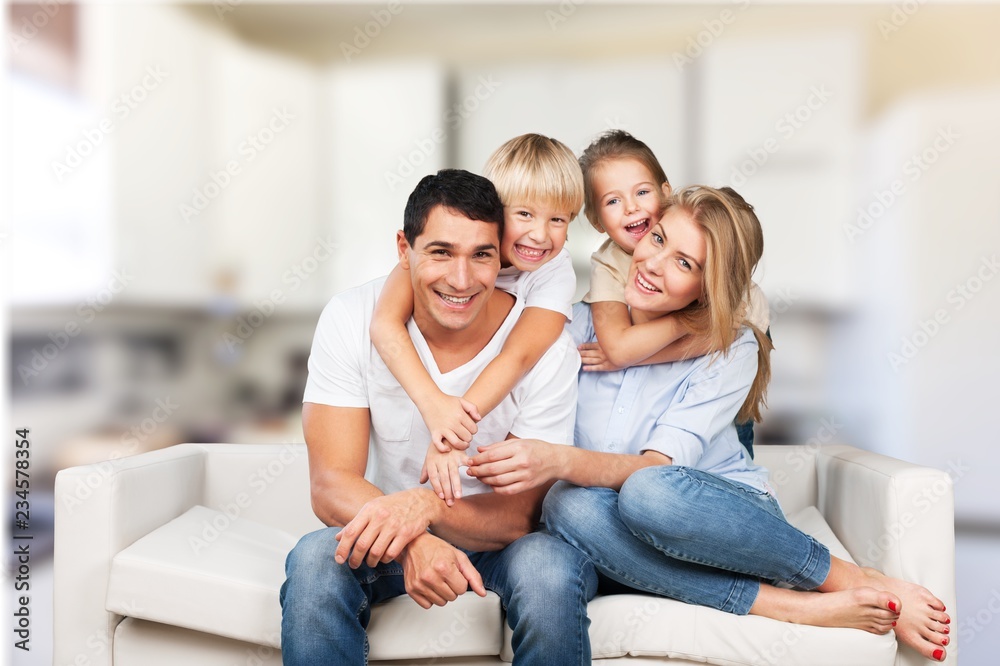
176 556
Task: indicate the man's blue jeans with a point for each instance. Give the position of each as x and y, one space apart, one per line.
686 534
543 582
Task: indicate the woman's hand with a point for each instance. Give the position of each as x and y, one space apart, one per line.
594 359
515 465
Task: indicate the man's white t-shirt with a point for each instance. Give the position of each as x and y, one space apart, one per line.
345 370
552 286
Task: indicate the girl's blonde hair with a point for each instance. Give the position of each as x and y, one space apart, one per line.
735 243
532 167
610 146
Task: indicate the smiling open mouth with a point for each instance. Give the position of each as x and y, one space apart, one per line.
639 280
529 253
454 300
639 228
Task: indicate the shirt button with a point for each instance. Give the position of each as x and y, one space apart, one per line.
621 410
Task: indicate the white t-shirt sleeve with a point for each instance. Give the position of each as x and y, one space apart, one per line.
546 397
552 286
337 374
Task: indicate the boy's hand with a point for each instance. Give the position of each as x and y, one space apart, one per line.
442 471
594 358
451 421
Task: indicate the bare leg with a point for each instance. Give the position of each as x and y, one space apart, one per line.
922 623
864 608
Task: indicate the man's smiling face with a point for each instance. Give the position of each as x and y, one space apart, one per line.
453 267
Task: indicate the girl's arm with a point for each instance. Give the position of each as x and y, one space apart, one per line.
450 420
630 345
535 331
626 344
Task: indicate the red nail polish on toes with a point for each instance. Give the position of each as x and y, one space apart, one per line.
948 621
938 654
892 606
944 642
947 630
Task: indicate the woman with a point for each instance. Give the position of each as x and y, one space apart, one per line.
658 491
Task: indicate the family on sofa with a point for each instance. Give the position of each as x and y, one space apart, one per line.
569 449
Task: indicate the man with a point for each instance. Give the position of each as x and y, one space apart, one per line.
399 537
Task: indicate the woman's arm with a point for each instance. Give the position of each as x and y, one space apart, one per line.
516 465
449 420
535 331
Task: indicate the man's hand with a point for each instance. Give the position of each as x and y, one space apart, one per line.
435 572
515 465
385 525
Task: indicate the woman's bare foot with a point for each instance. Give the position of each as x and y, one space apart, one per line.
863 608
922 623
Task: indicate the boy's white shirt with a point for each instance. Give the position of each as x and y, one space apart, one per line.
551 287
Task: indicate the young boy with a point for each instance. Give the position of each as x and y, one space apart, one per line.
541 186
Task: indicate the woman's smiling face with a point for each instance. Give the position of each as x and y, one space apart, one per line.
667 272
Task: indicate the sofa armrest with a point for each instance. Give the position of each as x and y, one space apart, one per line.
894 516
101 509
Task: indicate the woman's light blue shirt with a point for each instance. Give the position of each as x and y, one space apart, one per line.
683 409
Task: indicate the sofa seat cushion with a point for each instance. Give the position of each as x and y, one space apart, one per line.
142 643
217 575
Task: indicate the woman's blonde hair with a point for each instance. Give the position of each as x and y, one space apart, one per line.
735 243
610 146
532 167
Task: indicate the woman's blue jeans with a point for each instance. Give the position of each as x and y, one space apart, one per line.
687 534
543 582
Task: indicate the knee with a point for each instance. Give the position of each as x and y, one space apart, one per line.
313 554
653 497
546 567
570 509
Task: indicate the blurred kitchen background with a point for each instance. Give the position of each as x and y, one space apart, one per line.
189 184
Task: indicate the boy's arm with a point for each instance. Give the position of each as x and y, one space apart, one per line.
447 418
535 331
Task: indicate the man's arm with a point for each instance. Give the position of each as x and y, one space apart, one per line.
337 459
490 521
386 527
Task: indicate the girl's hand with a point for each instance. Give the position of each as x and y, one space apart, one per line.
442 471
594 359
451 421
515 465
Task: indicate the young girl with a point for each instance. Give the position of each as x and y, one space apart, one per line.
625 191
541 187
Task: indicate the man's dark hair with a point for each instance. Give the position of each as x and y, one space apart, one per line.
461 191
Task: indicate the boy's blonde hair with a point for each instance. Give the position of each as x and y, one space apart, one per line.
734 243
610 146
532 167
